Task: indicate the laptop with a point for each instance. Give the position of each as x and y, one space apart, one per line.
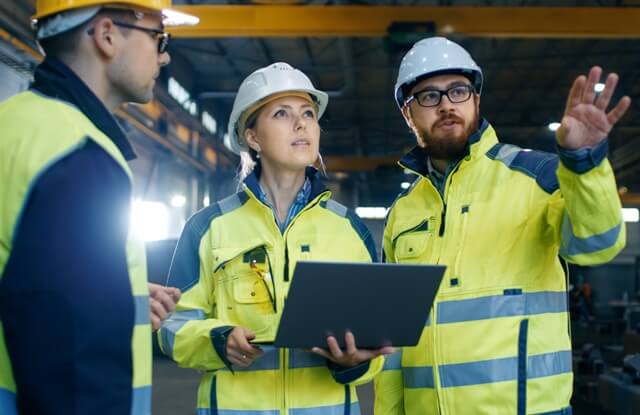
381 304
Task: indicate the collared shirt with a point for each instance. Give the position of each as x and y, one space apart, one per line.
300 201
438 179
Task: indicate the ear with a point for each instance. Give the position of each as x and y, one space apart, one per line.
408 118
105 37
251 138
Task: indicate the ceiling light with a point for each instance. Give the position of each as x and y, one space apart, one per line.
553 126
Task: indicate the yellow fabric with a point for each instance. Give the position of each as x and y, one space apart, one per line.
228 292
502 302
38 131
49 7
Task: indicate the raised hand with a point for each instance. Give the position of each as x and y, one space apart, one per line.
585 122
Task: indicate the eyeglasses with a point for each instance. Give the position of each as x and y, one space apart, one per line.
432 97
162 36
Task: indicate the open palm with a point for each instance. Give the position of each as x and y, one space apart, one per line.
585 122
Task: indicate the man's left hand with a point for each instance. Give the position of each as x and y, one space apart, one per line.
162 301
585 122
352 356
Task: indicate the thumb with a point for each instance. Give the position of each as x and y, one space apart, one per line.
248 334
563 130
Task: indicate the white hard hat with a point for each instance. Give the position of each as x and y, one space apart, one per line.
433 56
276 78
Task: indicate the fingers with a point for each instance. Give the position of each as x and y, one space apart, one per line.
609 87
175 293
239 351
334 347
575 94
350 341
157 309
619 110
155 321
164 297
589 92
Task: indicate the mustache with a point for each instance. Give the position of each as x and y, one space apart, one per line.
448 117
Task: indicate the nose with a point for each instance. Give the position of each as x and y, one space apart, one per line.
300 123
445 104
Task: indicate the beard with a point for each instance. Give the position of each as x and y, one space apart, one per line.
447 145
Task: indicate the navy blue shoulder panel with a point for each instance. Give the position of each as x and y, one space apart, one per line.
65 296
185 265
357 224
539 165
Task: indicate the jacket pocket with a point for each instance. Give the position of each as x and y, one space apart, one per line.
245 295
410 245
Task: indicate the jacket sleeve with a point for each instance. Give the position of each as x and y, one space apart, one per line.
65 297
389 387
189 336
586 215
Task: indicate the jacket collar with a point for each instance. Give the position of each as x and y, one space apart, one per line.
477 145
54 79
252 182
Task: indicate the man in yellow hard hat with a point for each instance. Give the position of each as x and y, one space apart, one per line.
74 300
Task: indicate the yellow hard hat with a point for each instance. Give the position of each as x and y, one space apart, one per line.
45 8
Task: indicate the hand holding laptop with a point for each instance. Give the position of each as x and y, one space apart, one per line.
352 356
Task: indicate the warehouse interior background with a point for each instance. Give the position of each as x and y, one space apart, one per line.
530 52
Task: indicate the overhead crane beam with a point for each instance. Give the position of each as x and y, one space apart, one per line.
374 21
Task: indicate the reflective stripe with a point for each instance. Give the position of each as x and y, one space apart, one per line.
326 410
142 309
393 361
564 411
336 208
300 359
247 412
507 153
230 203
203 411
573 245
418 377
505 369
270 360
549 364
141 404
475 373
7 402
173 324
502 306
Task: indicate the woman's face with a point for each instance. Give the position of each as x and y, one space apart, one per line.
286 134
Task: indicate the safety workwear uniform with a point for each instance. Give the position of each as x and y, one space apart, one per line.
497 339
40 134
234 266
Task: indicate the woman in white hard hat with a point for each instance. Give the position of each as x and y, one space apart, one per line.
235 258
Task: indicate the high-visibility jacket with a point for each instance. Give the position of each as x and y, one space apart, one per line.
213 267
497 339
38 133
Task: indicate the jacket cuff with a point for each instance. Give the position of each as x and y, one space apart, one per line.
219 337
583 159
346 375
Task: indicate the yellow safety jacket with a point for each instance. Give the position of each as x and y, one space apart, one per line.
37 132
497 339
213 267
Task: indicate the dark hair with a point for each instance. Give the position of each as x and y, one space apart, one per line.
66 43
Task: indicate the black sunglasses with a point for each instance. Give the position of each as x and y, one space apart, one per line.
162 36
